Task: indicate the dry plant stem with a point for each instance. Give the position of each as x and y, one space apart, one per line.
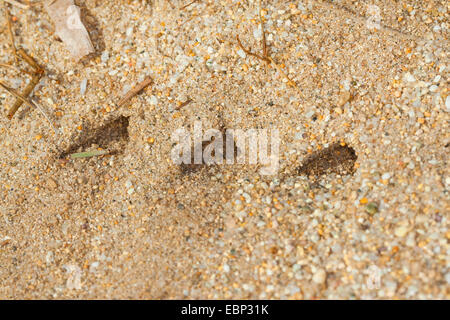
22 54
251 53
171 4
28 102
270 60
130 94
17 4
184 104
187 5
10 32
36 77
28 89
88 154
290 81
264 45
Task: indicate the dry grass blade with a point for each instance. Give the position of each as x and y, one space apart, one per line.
28 59
29 88
266 56
182 105
29 103
264 44
130 94
10 31
36 76
251 53
187 5
88 154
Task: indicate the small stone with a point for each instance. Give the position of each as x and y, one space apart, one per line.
153 100
105 56
128 184
49 258
51 184
257 33
320 276
372 208
129 31
434 88
241 53
344 98
83 87
409 77
401 231
94 265
447 103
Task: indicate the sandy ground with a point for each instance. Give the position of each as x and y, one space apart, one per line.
135 225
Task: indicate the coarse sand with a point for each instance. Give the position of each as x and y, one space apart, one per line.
359 208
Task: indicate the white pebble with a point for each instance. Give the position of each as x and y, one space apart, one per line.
320 276
241 53
83 86
386 176
257 33
105 56
434 88
409 77
401 231
49 257
153 100
129 32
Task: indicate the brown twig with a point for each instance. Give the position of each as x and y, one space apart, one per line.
130 94
28 89
251 53
264 44
269 60
28 102
171 4
284 74
10 32
36 77
187 5
28 59
184 104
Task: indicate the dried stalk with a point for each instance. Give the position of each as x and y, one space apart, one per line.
130 94
30 103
